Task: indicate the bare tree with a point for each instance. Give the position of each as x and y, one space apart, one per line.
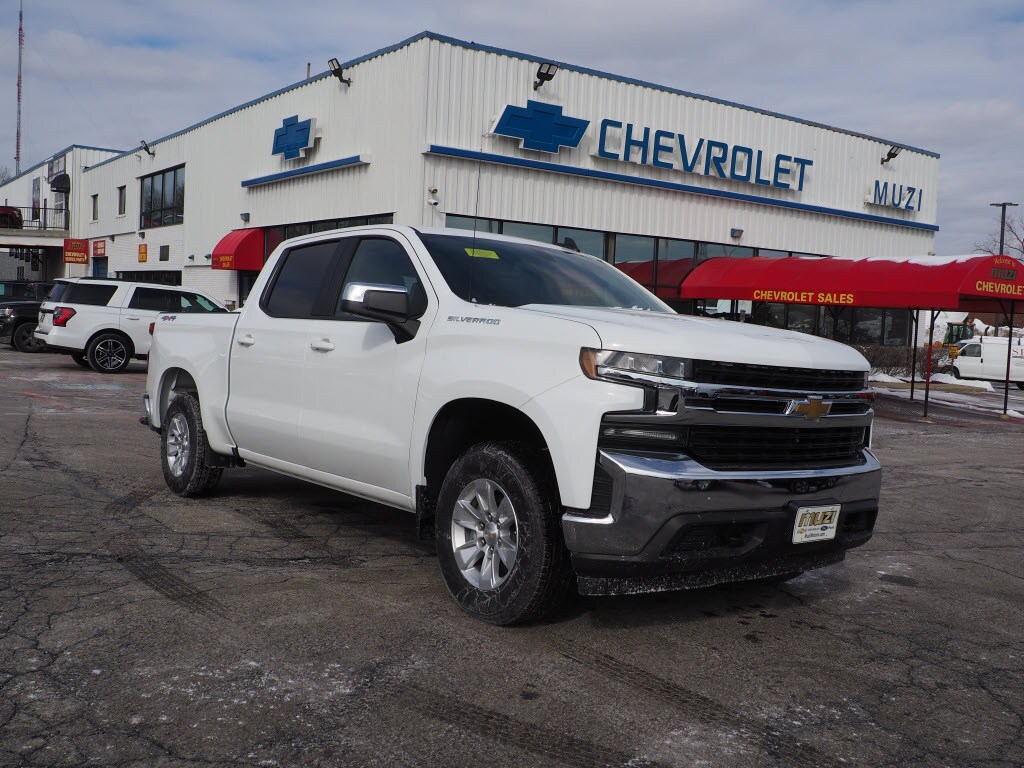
5 174
1014 239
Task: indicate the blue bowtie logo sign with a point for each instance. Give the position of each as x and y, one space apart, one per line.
541 127
293 138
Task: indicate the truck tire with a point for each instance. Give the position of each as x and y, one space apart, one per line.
23 340
81 359
109 353
499 535
183 449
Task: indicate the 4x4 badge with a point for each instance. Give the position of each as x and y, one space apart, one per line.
811 408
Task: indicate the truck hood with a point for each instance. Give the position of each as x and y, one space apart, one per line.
703 338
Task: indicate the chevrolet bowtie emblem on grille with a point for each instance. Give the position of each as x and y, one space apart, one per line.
811 408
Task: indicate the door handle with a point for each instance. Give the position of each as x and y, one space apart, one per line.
131 318
247 340
324 345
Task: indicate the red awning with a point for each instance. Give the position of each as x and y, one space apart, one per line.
239 249
975 282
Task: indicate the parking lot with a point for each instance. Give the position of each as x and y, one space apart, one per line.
279 623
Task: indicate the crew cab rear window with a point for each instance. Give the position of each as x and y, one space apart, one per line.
304 272
88 293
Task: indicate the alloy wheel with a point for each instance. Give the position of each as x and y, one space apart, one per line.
178 445
111 354
485 534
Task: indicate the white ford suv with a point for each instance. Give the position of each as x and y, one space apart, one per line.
104 324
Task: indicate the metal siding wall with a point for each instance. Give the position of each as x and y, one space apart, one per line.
471 88
378 117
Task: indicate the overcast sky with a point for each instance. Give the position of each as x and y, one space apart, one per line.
945 75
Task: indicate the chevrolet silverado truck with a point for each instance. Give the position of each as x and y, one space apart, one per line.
552 423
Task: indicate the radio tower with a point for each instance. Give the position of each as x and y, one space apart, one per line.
21 50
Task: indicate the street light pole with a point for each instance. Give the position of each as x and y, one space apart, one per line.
1002 223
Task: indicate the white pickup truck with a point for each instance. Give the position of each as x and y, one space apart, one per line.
552 422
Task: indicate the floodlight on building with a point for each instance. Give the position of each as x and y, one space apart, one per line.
891 154
735 233
335 66
545 72
244 217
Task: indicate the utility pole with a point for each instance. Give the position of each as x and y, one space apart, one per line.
21 51
1002 224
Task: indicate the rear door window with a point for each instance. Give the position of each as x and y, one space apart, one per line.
94 294
302 280
155 300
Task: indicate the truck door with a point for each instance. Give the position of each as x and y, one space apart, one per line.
968 362
268 354
359 388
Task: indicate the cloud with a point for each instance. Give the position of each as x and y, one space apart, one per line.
940 75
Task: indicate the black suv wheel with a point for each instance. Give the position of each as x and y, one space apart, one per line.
23 339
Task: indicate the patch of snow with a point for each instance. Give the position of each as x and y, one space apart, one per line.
885 378
945 378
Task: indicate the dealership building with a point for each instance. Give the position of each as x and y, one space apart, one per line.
435 131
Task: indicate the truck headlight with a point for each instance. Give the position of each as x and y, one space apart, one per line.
633 367
7 312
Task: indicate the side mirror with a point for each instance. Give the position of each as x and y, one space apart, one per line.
389 304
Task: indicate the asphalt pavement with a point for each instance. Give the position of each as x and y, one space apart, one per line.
283 624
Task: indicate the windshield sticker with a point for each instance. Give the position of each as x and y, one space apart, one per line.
481 254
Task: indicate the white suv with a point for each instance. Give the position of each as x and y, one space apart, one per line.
103 324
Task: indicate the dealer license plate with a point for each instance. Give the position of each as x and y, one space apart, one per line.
815 523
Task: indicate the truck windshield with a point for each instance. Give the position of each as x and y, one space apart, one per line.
486 271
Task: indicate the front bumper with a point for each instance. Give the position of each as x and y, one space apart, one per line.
663 522
6 328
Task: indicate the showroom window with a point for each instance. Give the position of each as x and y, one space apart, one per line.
162 201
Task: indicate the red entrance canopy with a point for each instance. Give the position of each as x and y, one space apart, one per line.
239 249
974 282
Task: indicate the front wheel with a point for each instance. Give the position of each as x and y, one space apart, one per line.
23 339
956 372
499 535
109 353
1020 385
183 449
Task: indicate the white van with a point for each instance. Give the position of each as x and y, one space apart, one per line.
984 357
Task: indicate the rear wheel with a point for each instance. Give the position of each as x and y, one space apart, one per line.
24 340
499 535
183 449
109 353
956 372
81 359
1020 385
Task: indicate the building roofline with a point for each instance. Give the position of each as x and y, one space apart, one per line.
473 46
41 163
